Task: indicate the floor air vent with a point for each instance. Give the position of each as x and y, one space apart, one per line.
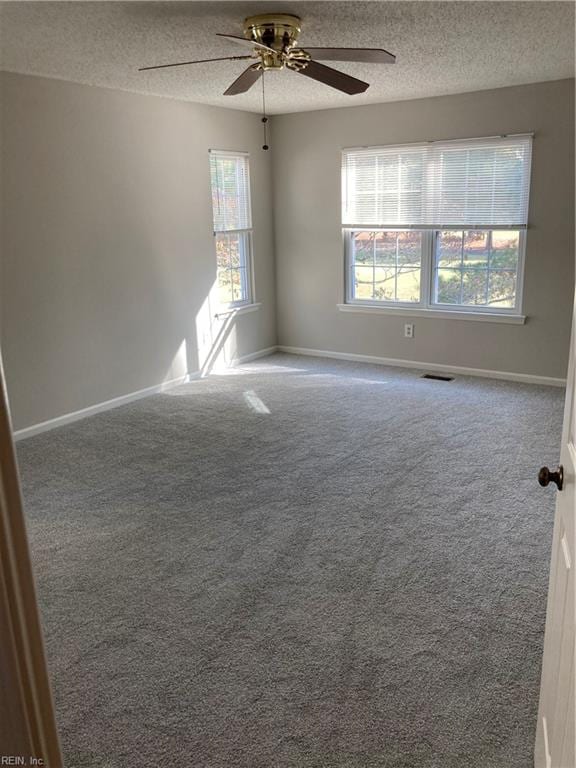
437 377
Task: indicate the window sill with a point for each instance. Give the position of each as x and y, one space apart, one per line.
242 309
443 314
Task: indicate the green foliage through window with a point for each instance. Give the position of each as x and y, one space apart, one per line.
476 268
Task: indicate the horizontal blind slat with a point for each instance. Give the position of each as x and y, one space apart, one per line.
230 179
465 183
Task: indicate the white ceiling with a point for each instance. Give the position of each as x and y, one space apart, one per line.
441 47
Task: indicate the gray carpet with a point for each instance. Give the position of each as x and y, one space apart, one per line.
355 579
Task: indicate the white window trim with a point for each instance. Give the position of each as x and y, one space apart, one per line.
426 307
239 310
364 308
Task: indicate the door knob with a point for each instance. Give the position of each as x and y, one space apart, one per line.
545 477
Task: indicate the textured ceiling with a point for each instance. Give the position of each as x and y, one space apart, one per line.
441 47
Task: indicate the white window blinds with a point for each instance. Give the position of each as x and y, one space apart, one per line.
230 191
475 184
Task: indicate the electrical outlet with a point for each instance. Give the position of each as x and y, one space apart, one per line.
409 330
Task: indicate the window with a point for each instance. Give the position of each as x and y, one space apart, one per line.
230 177
387 265
476 268
438 226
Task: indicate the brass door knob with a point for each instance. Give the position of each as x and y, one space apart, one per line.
545 477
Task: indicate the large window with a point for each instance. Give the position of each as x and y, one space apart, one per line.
230 178
438 225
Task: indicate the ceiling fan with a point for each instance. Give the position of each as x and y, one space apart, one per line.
273 39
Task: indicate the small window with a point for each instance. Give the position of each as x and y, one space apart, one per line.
438 225
230 177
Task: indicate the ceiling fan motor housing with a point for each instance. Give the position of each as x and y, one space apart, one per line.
278 31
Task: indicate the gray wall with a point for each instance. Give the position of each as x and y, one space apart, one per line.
309 254
107 250
107 246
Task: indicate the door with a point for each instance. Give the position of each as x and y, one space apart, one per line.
27 725
555 737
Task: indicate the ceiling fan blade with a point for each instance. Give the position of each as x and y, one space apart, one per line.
199 61
245 41
333 77
245 81
366 55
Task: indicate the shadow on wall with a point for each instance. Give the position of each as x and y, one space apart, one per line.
216 334
214 347
118 345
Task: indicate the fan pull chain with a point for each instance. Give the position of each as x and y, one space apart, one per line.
264 117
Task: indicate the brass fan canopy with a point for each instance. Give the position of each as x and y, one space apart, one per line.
276 30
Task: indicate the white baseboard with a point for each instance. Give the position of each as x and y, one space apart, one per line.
68 418
254 356
524 378
107 405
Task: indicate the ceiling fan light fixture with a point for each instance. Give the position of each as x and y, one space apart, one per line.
273 38
276 30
